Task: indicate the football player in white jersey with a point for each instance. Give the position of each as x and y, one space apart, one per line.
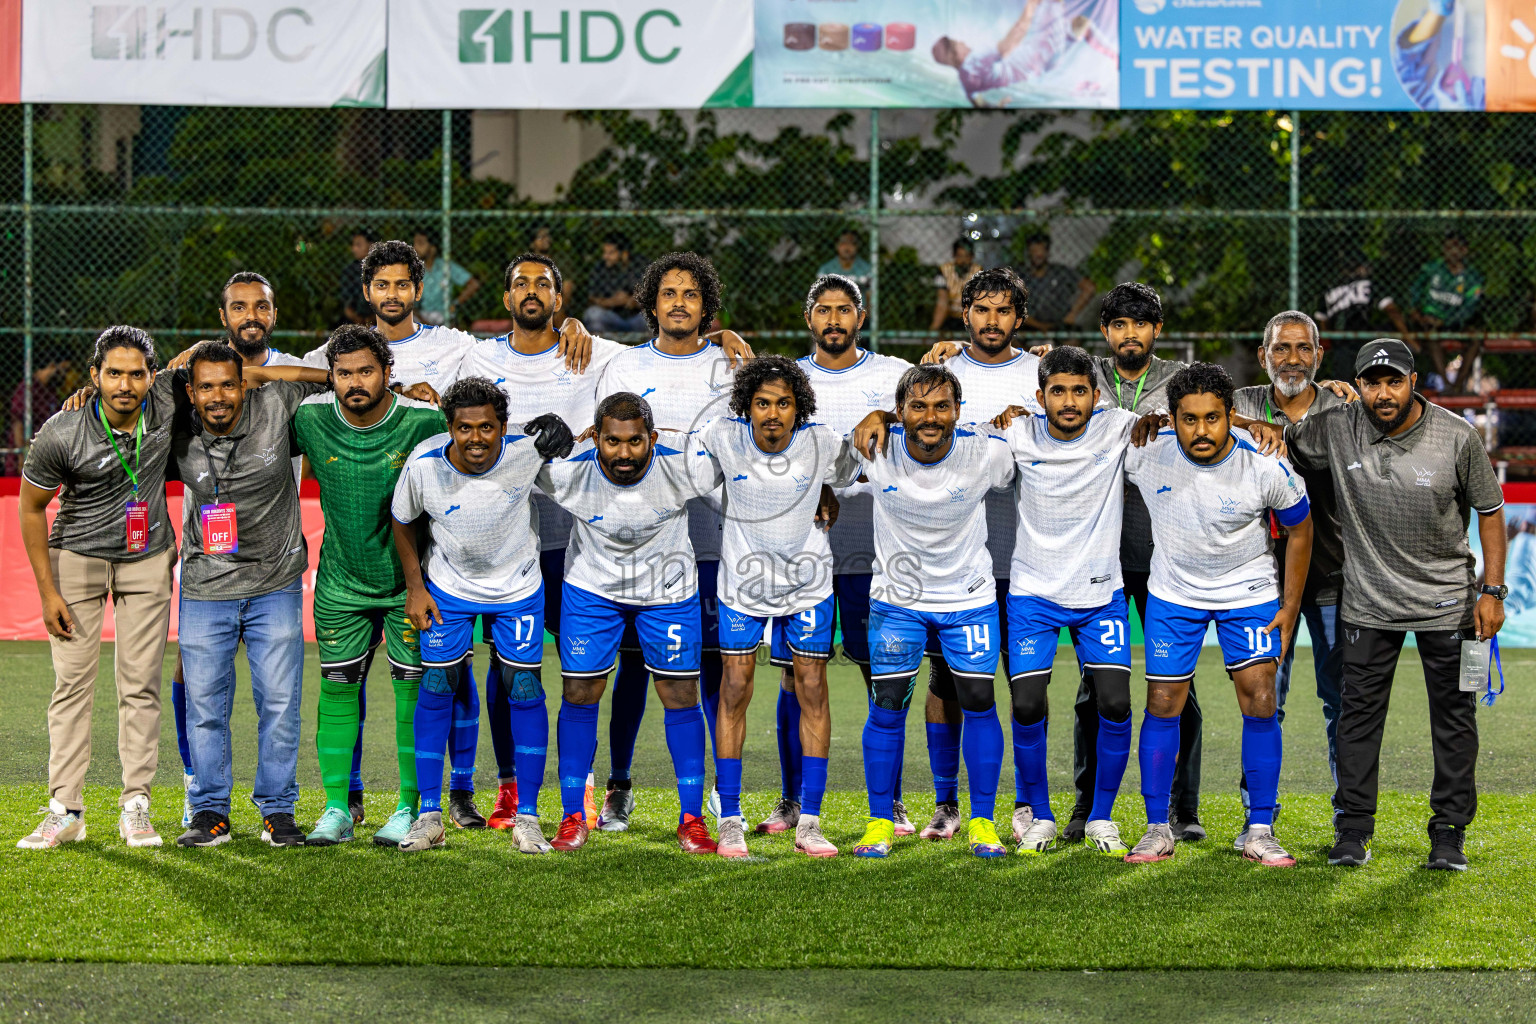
630 566
850 381
685 379
1209 493
775 572
470 489
1066 574
933 581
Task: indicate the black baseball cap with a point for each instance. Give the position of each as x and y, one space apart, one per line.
1387 352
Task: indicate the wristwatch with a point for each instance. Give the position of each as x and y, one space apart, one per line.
1498 593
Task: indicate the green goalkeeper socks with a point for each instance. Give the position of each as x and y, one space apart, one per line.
335 738
406 691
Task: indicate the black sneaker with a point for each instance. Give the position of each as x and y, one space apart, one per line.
355 806
1073 833
462 810
1351 848
209 828
279 830
1445 848
1188 830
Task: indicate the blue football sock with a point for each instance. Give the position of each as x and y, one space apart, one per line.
685 742
728 782
625 710
790 754
1114 752
711 669
179 705
1261 766
431 726
529 726
357 751
1030 781
901 760
464 737
885 735
944 761
576 732
498 715
813 783
1158 755
982 740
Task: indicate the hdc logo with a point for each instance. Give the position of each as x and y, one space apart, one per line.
485 35
123 32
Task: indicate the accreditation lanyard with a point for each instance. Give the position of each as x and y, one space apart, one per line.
1491 694
1135 398
221 535
136 527
1276 531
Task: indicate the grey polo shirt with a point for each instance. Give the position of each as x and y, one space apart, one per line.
72 452
1051 295
1326 573
252 467
1404 504
1136 529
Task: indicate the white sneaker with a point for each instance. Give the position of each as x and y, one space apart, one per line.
1262 846
809 840
528 834
1104 836
186 799
426 833
1023 817
1038 838
712 806
1241 840
134 826
733 838
904 826
58 826
1156 845
945 820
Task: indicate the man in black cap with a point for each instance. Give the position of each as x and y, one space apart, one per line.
1406 475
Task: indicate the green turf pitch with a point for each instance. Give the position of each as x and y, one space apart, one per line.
634 901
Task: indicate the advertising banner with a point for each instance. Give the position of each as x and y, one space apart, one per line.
1511 55
10 51
604 54
267 53
937 53
1305 54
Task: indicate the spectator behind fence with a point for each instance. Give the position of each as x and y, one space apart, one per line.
354 305
1352 303
848 263
49 369
1446 296
611 305
950 282
542 243
1057 292
434 307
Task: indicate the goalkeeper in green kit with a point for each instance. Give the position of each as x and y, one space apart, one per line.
357 438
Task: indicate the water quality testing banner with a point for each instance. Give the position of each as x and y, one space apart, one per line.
267 53
937 53
1307 54
607 54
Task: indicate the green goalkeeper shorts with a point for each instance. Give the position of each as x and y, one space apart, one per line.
348 627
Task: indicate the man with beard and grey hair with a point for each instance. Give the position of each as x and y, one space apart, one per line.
1291 356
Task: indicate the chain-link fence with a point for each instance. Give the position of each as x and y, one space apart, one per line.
1388 223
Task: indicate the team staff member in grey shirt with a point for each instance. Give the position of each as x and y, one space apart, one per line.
1291 356
240 580
1406 476
106 460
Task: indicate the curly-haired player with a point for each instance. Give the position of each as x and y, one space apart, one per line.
775 565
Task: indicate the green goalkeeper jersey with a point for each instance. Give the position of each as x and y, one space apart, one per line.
357 468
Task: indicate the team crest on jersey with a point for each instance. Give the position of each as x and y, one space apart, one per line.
892 643
396 459
577 644
956 493
429 367
1228 505
513 494
563 376
1024 646
1161 648
663 514
872 398
268 455
801 482
1423 477
1101 458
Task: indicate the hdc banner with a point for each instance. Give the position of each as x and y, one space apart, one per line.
937 53
268 53
610 54
1305 54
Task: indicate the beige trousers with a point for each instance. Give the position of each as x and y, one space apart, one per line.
141 606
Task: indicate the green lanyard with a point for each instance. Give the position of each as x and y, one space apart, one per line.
1136 398
1269 411
138 446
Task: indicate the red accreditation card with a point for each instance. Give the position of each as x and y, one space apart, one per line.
138 526
220 535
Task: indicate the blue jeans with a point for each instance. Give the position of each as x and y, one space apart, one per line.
272 628
1328 665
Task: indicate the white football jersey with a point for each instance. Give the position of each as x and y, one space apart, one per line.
534 385
774 557
430 354
931 522
684 393
630 543
481 545
1210 532
1071 498
986 389
843 397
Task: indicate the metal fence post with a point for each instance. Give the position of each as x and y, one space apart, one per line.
874 230
26 274
1295 290
445 252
